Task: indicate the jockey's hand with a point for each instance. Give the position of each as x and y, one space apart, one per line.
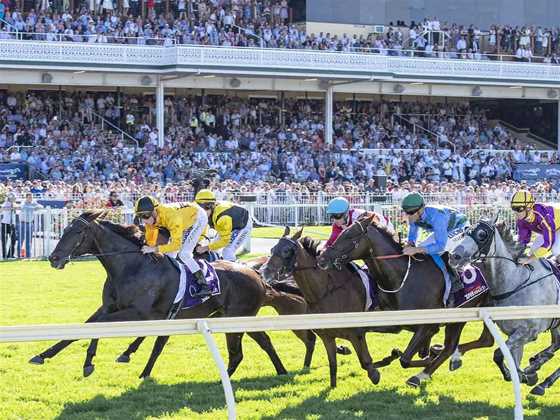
148 249
412 250
526 260
201 249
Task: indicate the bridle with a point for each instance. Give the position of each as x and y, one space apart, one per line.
340 261
87 224
484 245
290 266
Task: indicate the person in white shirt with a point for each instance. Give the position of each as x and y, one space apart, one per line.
8 226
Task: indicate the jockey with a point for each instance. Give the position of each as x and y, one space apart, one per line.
443 223
232 222
539 218
342 216
185 223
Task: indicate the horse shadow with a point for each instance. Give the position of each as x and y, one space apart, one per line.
151 399
393 404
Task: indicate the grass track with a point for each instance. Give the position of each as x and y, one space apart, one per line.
316 232
186 383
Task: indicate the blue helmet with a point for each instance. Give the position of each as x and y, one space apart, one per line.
338 205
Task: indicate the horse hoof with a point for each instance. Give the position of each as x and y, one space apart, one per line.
531 379
123 358
396 353
455 364
281 372
88 370
538 390
414 382
345 351
435 350
374 376
37 360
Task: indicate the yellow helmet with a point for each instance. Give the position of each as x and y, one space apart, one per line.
205 196
522 199
145 205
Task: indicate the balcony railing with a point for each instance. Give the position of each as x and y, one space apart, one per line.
267 61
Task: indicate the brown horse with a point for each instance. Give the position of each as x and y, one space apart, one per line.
404 283
325 291
141 287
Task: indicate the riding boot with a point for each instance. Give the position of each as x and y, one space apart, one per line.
204 290
456 285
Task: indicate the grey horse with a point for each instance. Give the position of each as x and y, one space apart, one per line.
492 245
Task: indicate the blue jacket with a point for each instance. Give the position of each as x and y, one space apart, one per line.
439 220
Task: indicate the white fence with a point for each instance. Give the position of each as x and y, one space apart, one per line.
26 333
49 224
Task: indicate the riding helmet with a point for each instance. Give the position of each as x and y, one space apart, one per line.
338 205
412 201
145 205
522 198
205 196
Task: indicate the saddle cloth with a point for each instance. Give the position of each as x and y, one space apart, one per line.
369 285
474 285
188 285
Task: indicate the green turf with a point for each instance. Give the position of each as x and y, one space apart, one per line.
186 383
316 232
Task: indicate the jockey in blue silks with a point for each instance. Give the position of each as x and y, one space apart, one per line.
444 223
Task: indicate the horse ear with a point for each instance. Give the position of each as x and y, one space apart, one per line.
297 235
496 217
286 231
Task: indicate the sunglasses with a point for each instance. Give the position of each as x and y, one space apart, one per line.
145 216
411 212
518 209
338 216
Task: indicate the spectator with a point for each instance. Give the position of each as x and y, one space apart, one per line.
26 229
8 226
114 200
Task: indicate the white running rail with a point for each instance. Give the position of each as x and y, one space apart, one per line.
26 333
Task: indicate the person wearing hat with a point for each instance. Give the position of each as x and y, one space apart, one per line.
232 223
8 225
185 223
342 216
544 220
443 223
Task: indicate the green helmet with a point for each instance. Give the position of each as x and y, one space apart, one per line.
412 202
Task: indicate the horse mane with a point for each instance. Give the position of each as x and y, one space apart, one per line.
310 245
368 216
131 233
514 247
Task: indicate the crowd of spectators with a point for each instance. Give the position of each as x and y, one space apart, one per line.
254 139
264 23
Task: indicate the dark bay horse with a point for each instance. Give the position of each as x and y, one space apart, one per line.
142 287
324 291
404 283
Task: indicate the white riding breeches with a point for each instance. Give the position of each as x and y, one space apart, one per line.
238 237
191 237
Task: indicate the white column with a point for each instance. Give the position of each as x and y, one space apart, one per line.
329 115
159 111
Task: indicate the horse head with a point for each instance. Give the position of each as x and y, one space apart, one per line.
352 244
76 240
476 243
283 257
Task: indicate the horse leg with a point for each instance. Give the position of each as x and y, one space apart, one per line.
90 354
235 351
485 340
156 351
515 343
263 340
61 345
330 346
421 336
308 338
547 383
125 357
499 361
360 346
536 362
452 334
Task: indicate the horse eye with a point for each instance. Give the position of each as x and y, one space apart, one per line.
287 252
481 234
